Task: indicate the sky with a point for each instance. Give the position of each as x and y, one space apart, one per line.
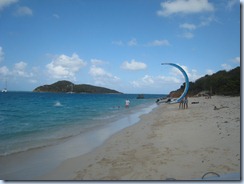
116 44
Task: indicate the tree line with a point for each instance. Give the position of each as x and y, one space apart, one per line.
219 83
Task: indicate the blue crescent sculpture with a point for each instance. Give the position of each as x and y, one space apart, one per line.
186 84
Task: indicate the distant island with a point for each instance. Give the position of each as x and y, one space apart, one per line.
69 87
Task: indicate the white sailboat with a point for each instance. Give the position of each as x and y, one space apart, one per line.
72 88
5 89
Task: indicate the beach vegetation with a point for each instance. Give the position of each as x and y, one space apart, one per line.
220 83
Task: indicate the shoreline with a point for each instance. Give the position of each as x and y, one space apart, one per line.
166 143
33 163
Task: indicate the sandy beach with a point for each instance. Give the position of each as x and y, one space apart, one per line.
167 143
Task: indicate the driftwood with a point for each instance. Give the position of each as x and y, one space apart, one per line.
218 108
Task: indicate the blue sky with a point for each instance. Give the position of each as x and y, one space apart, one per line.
116 44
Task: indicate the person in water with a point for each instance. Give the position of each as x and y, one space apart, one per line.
127 103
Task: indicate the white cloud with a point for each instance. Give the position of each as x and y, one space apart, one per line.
164 83
205 21
135 84
188 26
132 42
56 16
232 3
133 65
97 62
226 67
20 66
20 69
33 81
209 71
65 67
188 35
169 79
184 7
148 79
1 54
5 3
23 11
191 73
194 75
155 82
19 73
101 76
4 71
98 71
188 30
236 60
145 81
159 43
118 43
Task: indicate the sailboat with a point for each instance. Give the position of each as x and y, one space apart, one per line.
5 89
72 88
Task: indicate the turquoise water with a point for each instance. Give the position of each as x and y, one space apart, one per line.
32 120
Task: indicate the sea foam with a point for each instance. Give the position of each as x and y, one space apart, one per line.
58 104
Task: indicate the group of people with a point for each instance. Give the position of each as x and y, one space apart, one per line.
183 103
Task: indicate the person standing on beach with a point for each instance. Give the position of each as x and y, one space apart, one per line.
127 103
185 102
181 104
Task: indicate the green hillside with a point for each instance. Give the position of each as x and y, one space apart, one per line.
219 83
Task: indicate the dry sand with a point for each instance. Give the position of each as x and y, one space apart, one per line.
166 143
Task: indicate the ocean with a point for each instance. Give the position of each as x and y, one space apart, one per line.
31 120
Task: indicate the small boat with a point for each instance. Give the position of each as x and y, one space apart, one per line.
72 88
166 100
4 90
141 96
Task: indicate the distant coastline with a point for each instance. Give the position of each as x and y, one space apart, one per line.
69 87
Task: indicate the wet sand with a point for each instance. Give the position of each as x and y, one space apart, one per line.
167 143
